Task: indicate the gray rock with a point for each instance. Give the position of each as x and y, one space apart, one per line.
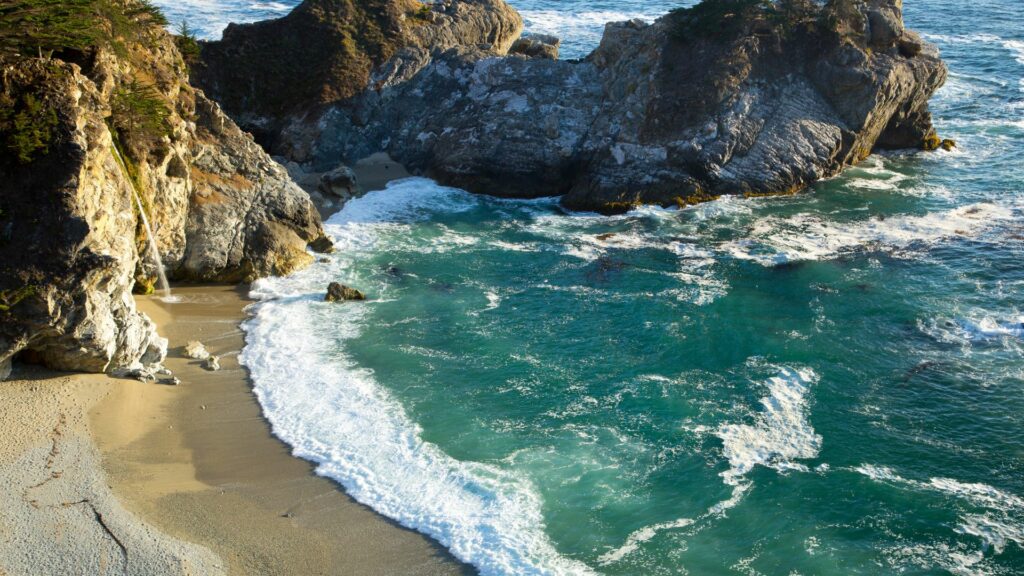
660 113
537 46
212 363
340 183
340 293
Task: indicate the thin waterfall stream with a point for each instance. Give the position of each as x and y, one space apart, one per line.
165 286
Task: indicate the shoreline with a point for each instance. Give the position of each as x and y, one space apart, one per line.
206 468
184 479
187 479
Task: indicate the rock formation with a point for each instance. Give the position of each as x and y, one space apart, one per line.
99 126
328 51
748 97
340 293
95 129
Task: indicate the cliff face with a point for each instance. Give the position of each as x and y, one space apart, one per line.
92 133
68 239
729 97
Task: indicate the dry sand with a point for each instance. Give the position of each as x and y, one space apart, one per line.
197 483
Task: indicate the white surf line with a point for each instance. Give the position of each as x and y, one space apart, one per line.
780 434
634 540
335 414
809 237
995 532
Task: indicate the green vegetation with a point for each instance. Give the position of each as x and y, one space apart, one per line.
139 112
47 27
12 297
422 12
26 126
188 43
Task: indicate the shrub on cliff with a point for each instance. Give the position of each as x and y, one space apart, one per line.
28 119
187 44
27 127
139 113
60 27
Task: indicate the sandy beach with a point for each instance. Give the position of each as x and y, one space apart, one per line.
104 475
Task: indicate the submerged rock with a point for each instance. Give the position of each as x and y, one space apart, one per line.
339 293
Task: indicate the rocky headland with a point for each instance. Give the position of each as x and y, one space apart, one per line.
117 119
747 97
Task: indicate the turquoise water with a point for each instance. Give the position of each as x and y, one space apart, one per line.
829 383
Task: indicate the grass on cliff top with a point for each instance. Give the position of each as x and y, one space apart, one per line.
55 27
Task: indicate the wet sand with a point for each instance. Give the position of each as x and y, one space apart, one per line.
189 477
199 461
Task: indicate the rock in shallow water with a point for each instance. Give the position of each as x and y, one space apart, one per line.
339 293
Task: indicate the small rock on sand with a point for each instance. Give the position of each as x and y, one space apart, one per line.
196 350
212 363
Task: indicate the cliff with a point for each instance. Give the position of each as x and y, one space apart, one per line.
749 97
99 127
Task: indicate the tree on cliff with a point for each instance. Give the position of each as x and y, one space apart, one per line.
47 27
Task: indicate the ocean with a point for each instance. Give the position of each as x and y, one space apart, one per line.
830 383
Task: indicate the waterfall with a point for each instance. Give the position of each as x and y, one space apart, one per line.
165 287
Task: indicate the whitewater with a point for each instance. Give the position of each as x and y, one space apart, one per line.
826 383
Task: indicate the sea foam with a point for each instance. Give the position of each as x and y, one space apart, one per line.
334 413
807 237
780 434
1001 523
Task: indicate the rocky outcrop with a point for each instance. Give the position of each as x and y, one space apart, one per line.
246 217
68 236
340 293
748 97
99 135
328 52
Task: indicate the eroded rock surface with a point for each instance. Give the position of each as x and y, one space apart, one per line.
99 134
729 97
